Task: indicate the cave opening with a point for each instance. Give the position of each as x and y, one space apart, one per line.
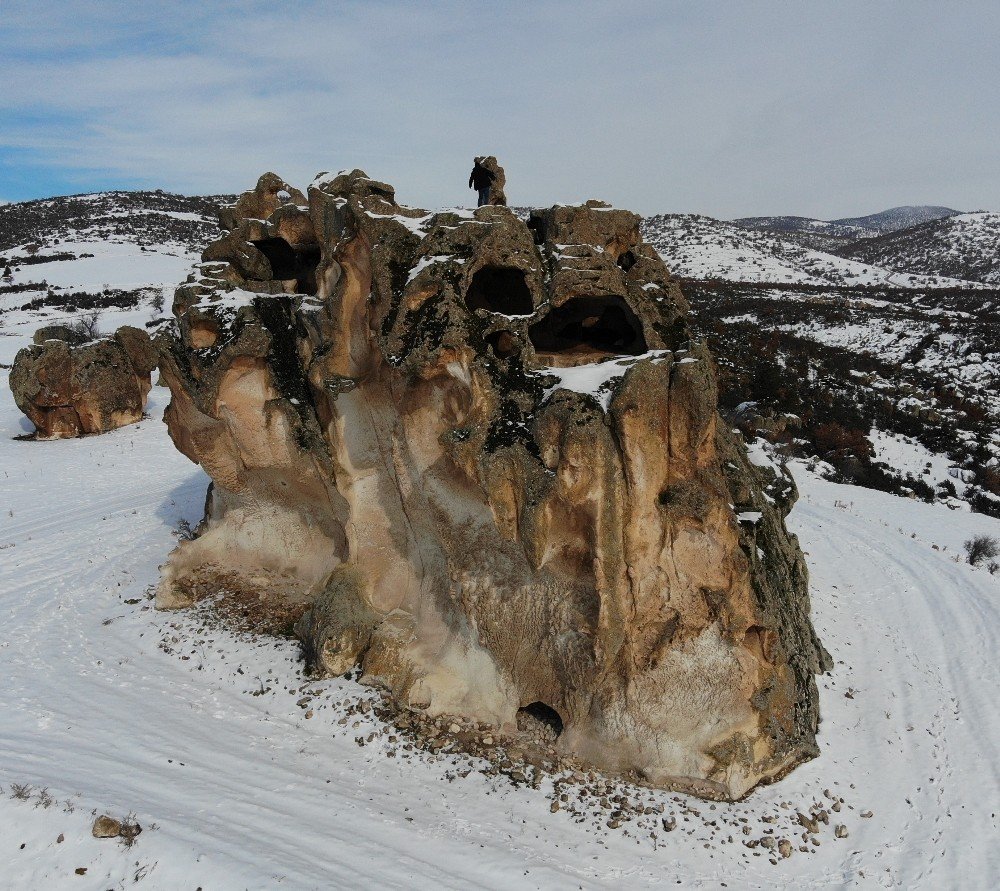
540 721
588 327
626 260
537 228
500 289
288 262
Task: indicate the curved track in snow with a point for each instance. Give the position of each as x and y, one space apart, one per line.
248 793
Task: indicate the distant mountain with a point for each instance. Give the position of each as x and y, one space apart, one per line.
897 218
831 235
817 234
964 246
700 247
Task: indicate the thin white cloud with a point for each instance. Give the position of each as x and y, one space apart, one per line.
730 110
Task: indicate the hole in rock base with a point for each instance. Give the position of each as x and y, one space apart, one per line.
540 723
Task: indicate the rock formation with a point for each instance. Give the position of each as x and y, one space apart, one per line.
68 388
485 459
497 194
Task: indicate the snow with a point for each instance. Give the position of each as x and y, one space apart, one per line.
757 452
906 455
595 379
114 265
424 262
246 792
701 247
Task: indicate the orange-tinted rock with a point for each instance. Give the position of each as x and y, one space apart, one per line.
487 456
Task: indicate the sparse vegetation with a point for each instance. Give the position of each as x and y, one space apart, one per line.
130 830
88 325
980 548
20 791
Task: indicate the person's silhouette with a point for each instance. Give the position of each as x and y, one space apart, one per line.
481 180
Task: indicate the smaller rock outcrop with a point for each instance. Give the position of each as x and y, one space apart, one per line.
70 389
59 332
497 194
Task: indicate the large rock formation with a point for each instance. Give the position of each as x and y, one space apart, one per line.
485 459
69 387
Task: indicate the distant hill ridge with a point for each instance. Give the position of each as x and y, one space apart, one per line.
891 220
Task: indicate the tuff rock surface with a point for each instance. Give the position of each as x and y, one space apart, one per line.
485 459
68 388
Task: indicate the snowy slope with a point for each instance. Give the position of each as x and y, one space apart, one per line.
967 245
121 253
896 218
110 705
701 247
869 226
818 234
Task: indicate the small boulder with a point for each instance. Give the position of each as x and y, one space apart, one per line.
106 827
58 332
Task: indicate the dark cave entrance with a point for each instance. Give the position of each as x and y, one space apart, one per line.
291 263
540 721
500 289
589 326
626 261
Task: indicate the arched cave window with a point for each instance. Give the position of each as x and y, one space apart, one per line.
288 262
540 721
500 289
626 260
590 325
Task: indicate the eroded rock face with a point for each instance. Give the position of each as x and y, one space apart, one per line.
485 458
68 388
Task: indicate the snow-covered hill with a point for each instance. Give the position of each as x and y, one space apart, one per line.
701 247
246 774
804 224
967 245
121 253
833 235
897 218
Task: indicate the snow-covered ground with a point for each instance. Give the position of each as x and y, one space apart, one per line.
700 247
966 242
202 736
114 264
907 456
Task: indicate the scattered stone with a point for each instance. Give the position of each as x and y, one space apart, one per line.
106 827
840 831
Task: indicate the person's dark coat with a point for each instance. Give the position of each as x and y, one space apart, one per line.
481 178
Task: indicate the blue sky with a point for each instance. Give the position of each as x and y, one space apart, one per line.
727 108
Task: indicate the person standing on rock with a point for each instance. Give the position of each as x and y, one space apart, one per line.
481 180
